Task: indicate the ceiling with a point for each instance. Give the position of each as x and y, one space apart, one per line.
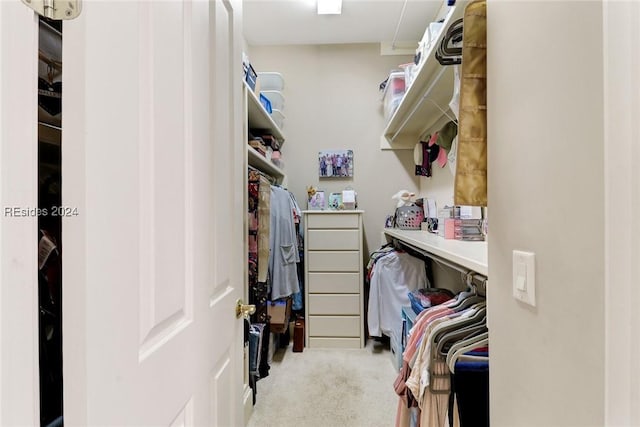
278 22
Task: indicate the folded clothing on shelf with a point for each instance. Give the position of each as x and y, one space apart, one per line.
258 145
266 137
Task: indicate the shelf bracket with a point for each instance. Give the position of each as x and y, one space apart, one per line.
419 103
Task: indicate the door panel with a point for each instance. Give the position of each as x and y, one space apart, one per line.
19 401
223 128
221 382
151 144
165 199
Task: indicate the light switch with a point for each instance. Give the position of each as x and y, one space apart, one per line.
524 277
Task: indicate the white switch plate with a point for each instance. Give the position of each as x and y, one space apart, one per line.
524 277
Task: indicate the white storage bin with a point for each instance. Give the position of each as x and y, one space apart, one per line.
431 34
277 117
271 81
275 97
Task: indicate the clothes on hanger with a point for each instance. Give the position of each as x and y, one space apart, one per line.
298 297
284 246
264 228
257 215
425 380
393 276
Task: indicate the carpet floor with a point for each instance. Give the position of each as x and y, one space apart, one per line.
328 388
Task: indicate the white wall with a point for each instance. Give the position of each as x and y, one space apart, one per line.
332 102
439 186
546 195
622 207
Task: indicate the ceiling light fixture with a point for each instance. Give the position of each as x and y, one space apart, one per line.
329 7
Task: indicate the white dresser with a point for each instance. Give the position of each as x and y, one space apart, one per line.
334 279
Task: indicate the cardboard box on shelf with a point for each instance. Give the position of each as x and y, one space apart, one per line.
279 311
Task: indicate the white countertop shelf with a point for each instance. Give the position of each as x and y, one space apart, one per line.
261 163
471 255
258 117
427 99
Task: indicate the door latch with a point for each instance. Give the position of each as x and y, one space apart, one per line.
244 310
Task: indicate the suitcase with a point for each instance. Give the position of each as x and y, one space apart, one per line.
298 336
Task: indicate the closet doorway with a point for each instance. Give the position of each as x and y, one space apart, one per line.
152 262
49 214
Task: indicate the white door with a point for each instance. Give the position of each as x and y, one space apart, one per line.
19 402
153 261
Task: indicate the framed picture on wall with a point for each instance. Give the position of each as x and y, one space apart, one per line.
335 164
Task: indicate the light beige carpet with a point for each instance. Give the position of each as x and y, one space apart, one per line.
328 388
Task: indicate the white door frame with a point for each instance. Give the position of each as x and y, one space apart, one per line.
622 210
19 351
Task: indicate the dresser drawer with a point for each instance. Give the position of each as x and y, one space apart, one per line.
334 304
334 283
333 220
334 326
341 240
334 261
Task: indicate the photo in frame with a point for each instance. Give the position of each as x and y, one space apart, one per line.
335 164
335 200
317 201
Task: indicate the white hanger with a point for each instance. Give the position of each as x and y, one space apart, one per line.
465 346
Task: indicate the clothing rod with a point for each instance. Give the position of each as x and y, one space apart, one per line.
415 108
55 30
50 126
441 260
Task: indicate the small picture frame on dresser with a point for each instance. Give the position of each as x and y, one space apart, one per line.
335 201
317 201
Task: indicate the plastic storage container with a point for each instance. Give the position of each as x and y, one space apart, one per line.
275 97
250 77
277 117
271 81
266 103
409 217
393 93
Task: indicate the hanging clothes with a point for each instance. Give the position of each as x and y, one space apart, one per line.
440 339
264 228
258 290
284 246
298 297
394 275
470 186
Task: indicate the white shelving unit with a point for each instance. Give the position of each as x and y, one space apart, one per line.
425 103
258 118
471 255
260 162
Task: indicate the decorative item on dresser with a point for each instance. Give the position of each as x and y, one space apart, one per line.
334 277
